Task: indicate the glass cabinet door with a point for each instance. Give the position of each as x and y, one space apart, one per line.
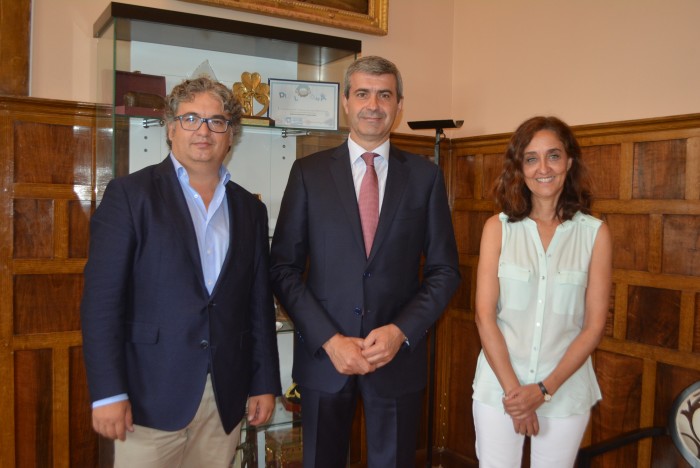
145 44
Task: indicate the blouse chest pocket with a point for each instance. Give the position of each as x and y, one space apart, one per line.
516 286
568 297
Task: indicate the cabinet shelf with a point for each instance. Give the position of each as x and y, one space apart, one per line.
284 132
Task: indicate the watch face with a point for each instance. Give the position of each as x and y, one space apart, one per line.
547 397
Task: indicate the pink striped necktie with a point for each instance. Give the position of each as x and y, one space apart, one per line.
369 201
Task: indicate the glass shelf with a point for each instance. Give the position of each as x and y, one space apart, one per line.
148 122
275 443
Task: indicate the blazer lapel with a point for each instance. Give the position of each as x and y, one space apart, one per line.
342 177
175 203
396 183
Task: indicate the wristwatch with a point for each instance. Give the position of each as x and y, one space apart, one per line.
543 389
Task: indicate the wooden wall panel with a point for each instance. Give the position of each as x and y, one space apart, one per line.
620 409
83 447
696 325
659 168
33 228
646 178
33 405
603 162
653 316
65 156
458 431
681 245
79 213
15 38
46 303
631 233
47 194
468 226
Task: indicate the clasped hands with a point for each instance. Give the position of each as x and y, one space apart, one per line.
520 404
352 355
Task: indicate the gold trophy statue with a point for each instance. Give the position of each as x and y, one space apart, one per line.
249 90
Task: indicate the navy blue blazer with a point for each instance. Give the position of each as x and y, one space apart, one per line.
323 278
150 327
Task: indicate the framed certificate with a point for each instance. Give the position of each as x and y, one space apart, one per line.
304 104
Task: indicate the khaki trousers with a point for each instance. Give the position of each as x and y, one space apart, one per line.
202 443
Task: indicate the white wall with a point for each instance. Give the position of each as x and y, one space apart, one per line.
492 63
587 61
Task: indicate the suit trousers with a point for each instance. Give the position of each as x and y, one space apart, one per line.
391 426
499 446
202 442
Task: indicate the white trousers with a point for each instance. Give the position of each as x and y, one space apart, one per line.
499 446
202 443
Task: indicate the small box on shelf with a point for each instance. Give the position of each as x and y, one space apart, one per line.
138 94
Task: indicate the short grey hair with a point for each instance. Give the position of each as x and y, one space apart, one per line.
374 65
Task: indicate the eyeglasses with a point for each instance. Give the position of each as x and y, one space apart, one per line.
192 122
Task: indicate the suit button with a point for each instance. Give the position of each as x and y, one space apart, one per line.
358 311
367 274
204 344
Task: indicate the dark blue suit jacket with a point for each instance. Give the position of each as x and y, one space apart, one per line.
150 327
321 275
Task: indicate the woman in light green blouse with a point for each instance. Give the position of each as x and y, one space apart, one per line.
543 286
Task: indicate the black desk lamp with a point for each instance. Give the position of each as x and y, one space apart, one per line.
438 125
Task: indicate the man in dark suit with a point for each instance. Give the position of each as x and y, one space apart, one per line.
359 304
177 312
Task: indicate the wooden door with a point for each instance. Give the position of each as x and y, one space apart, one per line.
47 169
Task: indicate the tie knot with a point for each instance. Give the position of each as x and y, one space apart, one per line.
368 158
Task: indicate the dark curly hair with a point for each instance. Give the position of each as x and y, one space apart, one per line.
510 190
186 90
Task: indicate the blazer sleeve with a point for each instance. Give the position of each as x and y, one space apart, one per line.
441 275
289 252
112 243
265 356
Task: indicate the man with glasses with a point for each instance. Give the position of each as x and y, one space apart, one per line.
177 312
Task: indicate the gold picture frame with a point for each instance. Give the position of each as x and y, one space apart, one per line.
367 16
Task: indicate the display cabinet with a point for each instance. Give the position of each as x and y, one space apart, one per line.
148 51
155 49
277 443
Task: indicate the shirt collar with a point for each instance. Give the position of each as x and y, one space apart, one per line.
356 151
181 172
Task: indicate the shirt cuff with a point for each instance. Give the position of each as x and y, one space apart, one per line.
107 401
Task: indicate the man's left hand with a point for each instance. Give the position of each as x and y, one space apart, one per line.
382 344
260 408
